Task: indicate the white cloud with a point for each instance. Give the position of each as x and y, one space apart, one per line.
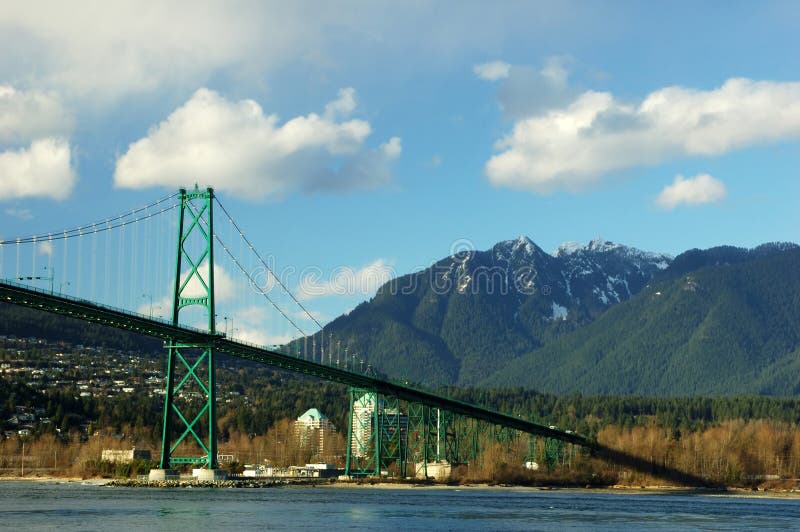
110 49
696 190
434 162
22 214
261 338
28 115
42 169
224 284
343 105
251 316
310 316
45 248
392 148
492 71
555 70
235 147
524 90
37 160
347 281
573 147
225 291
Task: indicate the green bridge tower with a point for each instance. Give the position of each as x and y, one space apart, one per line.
189 424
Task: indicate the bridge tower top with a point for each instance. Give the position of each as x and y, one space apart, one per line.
195 249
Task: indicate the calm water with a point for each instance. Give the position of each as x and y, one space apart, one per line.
27 505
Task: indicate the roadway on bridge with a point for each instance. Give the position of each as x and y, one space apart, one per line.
129 321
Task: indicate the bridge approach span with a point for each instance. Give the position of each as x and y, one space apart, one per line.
87 311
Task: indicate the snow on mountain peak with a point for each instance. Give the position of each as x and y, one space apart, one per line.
569 248
523 242
598 244
511 248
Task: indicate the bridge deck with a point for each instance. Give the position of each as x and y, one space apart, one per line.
130 321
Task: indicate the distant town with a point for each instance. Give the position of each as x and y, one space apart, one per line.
80 393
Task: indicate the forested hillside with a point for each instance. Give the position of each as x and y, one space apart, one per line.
599 319
471 313
721 322
24 322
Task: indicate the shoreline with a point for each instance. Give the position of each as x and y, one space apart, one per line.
732 492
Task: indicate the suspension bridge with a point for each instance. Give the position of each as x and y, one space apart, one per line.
118 272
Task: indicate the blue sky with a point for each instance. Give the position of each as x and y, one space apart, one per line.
358 134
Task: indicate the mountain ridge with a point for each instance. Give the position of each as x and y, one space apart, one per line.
724 328
454 322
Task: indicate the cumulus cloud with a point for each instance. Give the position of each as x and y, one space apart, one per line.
492 71
526 90
28 115
224 284
36 159
346 280
113 49
343 105
235 147
224 290
22 214
573 147
45 248
310 316
696 190
109 50
41 169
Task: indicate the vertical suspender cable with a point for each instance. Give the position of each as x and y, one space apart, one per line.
51 273
80 273
64 275
145 283
94 261
106 275
134 271
118 290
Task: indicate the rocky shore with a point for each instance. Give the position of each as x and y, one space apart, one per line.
229 483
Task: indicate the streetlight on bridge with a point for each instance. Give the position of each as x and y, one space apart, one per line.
151 303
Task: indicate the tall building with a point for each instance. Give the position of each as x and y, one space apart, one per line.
313 429
390 421
363 409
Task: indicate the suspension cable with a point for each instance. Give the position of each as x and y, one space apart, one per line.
244 271
264 264
92 227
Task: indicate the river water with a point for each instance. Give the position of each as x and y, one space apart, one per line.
77 506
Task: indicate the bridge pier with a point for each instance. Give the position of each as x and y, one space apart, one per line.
212 475
160 475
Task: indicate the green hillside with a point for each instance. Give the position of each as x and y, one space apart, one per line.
468 315
721 322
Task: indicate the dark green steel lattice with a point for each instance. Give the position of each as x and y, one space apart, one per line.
192 361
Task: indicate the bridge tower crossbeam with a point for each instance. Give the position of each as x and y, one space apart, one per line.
189 423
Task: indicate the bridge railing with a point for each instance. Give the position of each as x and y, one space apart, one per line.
90 311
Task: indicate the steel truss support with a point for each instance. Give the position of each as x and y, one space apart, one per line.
363 445
190 398
549 451
422 437
393 439
463 436
377 438
506 439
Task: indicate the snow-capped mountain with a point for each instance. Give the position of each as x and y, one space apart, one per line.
475 310
517 315
589 276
